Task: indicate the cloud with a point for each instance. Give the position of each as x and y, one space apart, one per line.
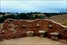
34 6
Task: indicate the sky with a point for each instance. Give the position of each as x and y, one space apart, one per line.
33 6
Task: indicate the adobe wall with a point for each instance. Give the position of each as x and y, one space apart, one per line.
13 28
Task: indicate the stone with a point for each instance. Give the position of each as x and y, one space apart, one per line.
54 35
42 33
30 33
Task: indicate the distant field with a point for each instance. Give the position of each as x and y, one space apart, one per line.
60 19
1 24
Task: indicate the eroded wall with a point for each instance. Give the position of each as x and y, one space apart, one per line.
18 28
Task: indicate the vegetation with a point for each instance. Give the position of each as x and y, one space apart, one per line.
65 24
31 15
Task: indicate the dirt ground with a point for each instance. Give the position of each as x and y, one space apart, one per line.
32 41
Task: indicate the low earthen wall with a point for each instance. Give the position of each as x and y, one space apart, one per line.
13 28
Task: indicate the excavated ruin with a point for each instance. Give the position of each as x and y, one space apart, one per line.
13 28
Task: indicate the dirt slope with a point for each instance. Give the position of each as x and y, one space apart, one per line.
60 18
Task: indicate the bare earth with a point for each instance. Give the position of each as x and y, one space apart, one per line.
31 41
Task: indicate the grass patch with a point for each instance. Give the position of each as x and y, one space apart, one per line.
1 25
65 24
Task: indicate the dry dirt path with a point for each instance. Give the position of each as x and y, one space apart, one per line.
31 41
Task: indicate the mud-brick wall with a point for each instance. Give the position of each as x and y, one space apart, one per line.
17 28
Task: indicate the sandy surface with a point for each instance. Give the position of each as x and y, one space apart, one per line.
31 41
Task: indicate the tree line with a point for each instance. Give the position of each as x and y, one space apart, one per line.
31 15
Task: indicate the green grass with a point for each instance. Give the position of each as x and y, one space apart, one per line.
65 24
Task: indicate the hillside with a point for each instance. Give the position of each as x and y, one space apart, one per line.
60 18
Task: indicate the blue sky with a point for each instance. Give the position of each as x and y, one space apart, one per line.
33 6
